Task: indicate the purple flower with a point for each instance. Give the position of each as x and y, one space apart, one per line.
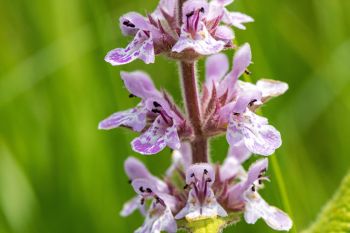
194 33
201 201
159 216
136 170
236 102
142 46
155 116
203 196
255 206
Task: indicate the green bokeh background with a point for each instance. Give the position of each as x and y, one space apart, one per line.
58 173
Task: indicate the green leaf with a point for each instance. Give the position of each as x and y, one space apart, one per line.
335 216
208 225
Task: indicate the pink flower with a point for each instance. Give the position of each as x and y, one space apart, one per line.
156 108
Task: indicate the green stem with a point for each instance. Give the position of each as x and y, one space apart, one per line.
282 188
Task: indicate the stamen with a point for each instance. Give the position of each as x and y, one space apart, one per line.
202 10
141 189
160 201
252 102
205 171
248 72
128 24
142 201
149 190
132 96
190 14
156 104
253 188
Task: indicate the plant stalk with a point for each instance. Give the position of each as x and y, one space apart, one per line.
191 98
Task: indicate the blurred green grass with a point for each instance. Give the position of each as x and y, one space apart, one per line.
58 173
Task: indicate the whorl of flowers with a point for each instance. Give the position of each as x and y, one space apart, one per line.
194 189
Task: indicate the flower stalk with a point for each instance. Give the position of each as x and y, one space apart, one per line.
200 143
195 194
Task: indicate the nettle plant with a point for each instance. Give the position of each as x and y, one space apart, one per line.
195 194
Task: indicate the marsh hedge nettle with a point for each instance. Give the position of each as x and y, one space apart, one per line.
194 189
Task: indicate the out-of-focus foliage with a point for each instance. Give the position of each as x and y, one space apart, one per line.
58 173
335 217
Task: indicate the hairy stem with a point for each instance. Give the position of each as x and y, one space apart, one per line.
181 2
189 81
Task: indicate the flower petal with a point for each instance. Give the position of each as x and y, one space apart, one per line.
239 151
180 158
135 169
241 60
196 171
144 187
139 84
216 68
156 138
141 47
159 221
230 168
134 118
236 19
271 88
204 45
245 99
132 205
191 6
224 33
259 137
132 22
256 207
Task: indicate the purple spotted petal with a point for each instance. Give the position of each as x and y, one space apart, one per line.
271 88
256 207
259 137
141 47
139 84
204 45
132 22
134 169
156 138
216 67
134 118
236 19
